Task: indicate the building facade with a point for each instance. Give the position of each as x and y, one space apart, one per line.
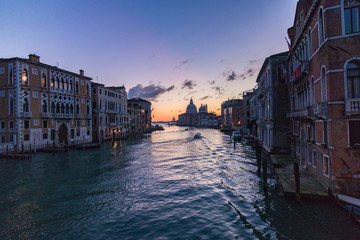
272 97
110 115
146 106
232 115
324 89
43 104
193 118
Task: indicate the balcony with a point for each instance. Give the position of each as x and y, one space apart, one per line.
62 115
113 124
26 114
301 71
352 106
306 112
46 115
88 116
78 116
320 109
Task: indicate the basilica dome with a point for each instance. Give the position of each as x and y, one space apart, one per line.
191 108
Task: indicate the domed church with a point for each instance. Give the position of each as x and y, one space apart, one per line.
191 108
193 118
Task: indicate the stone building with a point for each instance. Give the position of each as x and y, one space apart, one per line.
43 104
110 116
272 97
138 118
324 91
193 118
232 115
146 106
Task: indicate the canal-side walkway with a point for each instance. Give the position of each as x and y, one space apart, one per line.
310 187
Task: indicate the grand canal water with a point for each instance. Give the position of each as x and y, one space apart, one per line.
165 185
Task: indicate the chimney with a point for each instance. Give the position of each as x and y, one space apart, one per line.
81 72
34 58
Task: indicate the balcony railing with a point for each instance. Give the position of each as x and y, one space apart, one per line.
320 109
301 71
78 116
352 106
46 115
26 114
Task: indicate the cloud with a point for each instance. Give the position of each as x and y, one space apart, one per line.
182 63
189 84
205 97
253 61
151 92
232 76
218 90
211 82
249 72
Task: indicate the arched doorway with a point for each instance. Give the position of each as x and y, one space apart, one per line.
63 134
101 136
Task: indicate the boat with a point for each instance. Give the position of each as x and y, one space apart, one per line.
197 135
236 135
350 204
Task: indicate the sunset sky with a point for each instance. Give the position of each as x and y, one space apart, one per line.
166 51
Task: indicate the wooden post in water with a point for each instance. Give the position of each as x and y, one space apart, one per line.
22 149
234 143
7 150
297 179
258 158
265 176
30 148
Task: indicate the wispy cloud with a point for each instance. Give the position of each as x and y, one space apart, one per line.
205 97
189 84
151 92
180 65
249 72
218 90
211 82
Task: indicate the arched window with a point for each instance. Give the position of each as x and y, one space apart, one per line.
77 109
62 84
67 108
53 107
321 27
26 105
71 85
44 106
351 16
77 87
11 105
11 77
66 84
58 108
43 80
52 82
57 82
71 109
87 89
353 79
323 85
25 77
312 91
62 108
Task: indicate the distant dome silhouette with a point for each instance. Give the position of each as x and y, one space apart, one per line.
191 108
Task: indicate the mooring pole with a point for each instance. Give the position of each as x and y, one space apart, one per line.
297 179
258 158
265 176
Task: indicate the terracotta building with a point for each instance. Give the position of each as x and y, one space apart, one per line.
43 104
232 115
324 89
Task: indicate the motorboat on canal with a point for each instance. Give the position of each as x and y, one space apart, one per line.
236 135
197 135
350 204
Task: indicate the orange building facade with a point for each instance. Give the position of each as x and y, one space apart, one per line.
43 104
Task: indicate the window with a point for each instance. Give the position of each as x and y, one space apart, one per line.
77 87
11 123
43 80
94 91
326 137
25 77
45 124
326 165
26 137
53 107
26 124
2 126
309 43
354 131
2 140
53 135
11 77
353 79
26 105
72 133
45 136
52 82
88 132
321 27
78 123
11 107
77 109
78 132
314 158
352 20
323 85
44 106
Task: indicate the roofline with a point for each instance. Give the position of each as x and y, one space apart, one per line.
43 65
282 54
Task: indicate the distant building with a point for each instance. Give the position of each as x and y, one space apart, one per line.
110 117
232 115
198 119
43 104
246 109
146 105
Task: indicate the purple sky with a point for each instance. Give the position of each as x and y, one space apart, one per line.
167 51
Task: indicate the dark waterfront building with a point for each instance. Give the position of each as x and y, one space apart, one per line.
324 92
145 115
203 118
272 97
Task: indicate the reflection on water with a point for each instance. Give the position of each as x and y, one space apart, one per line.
165 185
